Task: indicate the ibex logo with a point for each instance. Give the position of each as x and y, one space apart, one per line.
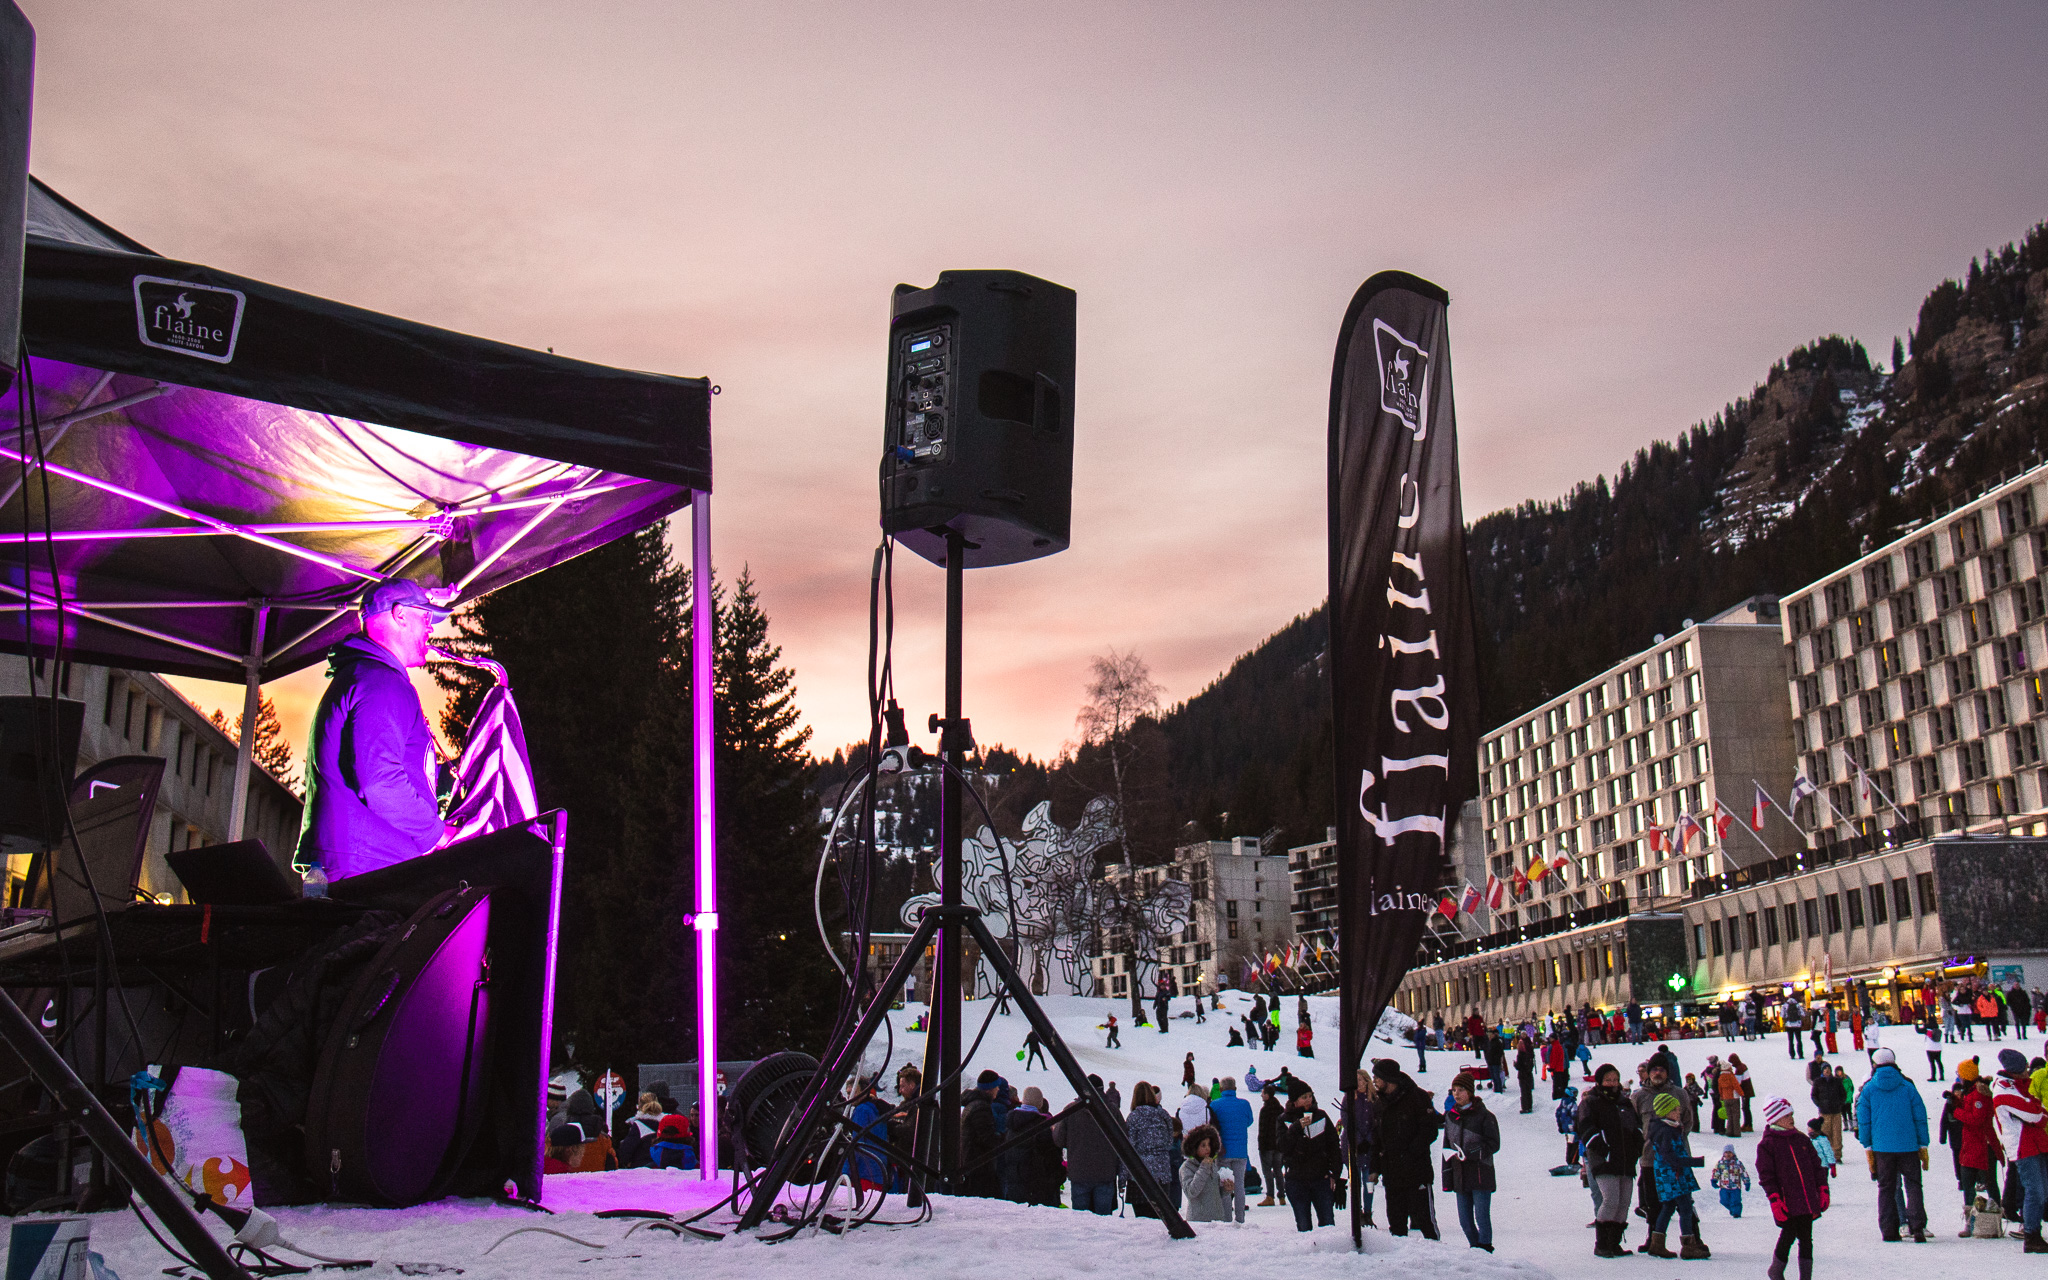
192 319
1404 378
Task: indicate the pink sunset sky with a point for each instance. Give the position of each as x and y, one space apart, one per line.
1635 210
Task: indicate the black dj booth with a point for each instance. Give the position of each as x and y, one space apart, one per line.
390 1042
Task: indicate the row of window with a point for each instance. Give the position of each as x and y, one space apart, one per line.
1966 541
1816 917
1536 734
1523 976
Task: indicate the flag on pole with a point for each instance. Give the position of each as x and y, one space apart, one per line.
1801 788
1723 819
1521 884
1558 865
1656 839
1756 808
1537 868
1862 781
1496 891
1469 904
1449 907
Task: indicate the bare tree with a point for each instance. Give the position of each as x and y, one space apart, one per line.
1121 692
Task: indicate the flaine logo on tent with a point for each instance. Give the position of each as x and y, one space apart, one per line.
192 319
1404 377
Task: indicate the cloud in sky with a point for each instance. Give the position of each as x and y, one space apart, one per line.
1635 213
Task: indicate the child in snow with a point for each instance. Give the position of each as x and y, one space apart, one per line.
1821 1146
1112 1042
1672 1163
1732 1180
1789 1168
1699 1099
1567 1117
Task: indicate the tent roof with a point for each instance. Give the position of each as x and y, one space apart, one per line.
216 445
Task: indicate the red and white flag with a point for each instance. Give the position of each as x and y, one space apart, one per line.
1723 820
1559 864
1656 839
1520 884
1496 892
1756 808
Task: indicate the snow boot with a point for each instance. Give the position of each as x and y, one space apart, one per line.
1268 1202
2035 1244
1654 1246
1692 1248
1607 1239
1776 1271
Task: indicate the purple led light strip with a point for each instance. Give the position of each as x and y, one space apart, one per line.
702 749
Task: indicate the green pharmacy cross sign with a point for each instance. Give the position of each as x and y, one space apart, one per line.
1676 982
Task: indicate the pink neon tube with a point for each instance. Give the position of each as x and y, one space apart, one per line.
703 752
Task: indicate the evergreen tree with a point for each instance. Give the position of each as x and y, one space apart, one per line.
779 991
595 651
270 749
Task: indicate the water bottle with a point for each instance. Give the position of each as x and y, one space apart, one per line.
315 882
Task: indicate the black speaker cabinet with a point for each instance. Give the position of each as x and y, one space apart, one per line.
980 435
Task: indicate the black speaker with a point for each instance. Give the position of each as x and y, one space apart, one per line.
980 435
17 74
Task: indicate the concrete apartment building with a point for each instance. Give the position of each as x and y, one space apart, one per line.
1696 719
136 713
1913 666
1921 665
1238 910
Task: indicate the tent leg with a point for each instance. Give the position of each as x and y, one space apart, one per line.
703 751
252 705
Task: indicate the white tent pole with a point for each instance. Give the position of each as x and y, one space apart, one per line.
252 706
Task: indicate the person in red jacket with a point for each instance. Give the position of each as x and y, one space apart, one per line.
2023 1133
1789 1171
1554 1063
1977 1150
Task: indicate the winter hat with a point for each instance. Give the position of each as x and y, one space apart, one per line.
1776 1109
987 1079
1883 1058
1386 1069
1727 1148
1034 1098
565 1135
2012 1062
1665 1105
1967 1071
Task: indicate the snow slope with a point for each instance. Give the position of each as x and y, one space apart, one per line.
1538 1220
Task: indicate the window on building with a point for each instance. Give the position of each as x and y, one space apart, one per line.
1833 904
1791 914
1770 921
1920 559
1811 909
1902 899
1233 927
1923 883
2016 512
1974 760
1968 534
1948 590
1714 935
2029 601
1877 904
1854 900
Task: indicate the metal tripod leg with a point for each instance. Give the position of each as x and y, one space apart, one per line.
1112 1127
831 1077
80 1106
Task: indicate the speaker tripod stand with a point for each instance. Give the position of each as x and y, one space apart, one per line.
817 1109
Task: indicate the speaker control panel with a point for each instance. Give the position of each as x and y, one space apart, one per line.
924 386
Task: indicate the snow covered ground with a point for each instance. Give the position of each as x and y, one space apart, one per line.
1539 1221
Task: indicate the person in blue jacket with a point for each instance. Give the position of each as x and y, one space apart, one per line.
1232 1117
1891 1122
370 797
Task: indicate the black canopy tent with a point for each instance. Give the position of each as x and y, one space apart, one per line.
228 464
